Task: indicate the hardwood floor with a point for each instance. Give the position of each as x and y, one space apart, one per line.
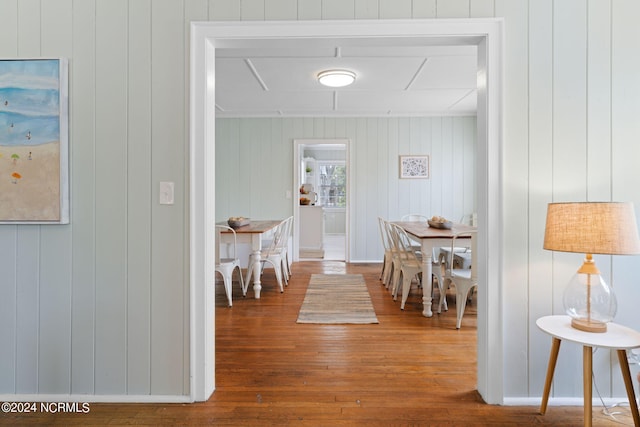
407 370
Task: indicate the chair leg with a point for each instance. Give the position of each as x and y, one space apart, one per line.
240 279
388 275
406 286
395 282
442 288
286 263
283 270
228 282
278 271
247 280
385 261
461 303
277 268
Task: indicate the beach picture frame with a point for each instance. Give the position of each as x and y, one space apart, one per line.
412 166
34 141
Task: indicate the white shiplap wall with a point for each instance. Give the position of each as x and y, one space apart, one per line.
100 306
257 187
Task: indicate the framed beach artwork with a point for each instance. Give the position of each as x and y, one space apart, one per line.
34 141
414 167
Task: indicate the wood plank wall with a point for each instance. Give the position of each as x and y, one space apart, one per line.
255 181
100 306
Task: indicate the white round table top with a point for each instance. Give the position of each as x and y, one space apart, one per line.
616 336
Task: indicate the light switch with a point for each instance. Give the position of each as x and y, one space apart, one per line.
288 194
166 193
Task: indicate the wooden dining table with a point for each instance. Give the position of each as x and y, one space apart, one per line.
429 238
252 233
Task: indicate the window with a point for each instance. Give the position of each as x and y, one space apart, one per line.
332 189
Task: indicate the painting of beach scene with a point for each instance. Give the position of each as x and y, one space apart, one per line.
33 141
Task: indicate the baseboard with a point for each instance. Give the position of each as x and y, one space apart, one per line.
563 401
95 398
366 261
312 253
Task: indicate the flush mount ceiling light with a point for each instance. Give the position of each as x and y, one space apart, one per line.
336 78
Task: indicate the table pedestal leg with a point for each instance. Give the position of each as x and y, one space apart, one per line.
426 283
257 266
553 358
587 363
628 383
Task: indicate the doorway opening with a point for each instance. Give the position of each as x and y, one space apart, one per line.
321 212
206 37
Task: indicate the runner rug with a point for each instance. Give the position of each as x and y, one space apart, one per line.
337 298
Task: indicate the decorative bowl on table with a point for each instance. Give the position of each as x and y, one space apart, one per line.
440 222
237 221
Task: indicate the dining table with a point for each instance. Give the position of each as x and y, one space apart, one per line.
252 233
429 238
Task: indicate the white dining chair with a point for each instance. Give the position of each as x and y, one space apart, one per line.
407 263
286 260
287 229
226 265
273 254
387 262
414 217
463 279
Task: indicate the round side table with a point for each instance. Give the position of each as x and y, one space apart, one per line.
617 337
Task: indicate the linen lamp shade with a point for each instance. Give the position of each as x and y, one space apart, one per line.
591 228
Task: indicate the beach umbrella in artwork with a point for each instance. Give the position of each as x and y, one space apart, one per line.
15 158
16 176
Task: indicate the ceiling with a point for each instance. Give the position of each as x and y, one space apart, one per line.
394 78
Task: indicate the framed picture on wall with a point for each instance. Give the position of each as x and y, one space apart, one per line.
414 167
34 141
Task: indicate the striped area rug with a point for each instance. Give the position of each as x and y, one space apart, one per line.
337 298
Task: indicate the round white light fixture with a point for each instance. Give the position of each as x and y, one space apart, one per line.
336 78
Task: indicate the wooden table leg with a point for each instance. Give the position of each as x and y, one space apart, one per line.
553 358
256 247
426 278
587 364
628 383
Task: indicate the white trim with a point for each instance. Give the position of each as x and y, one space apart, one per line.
564 401
296 173
97 398
487 34
201 221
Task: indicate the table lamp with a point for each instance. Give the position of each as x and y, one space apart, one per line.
591 228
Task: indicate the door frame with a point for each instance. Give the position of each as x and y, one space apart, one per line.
298 144
486 33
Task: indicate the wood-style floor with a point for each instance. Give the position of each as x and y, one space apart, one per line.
407 370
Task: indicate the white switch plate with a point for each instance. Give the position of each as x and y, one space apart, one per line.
166 193
288 194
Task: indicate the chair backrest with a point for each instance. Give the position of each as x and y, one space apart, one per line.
231 248
280 237
287 230
402 243
384 233
289 226
415 217
474 251
469 219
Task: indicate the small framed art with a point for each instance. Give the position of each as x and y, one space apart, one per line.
414 167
